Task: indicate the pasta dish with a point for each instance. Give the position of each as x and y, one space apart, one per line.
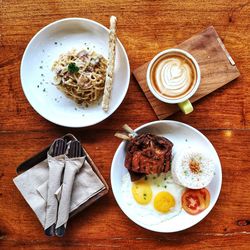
81 75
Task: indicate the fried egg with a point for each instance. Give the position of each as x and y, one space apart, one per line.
152 199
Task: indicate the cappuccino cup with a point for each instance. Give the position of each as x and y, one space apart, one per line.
173 76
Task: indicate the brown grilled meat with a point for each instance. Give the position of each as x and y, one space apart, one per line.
148 154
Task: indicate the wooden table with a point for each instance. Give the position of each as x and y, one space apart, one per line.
145 28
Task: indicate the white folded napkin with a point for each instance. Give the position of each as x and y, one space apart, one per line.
33 185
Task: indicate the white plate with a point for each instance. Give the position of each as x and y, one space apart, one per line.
181 135
37 77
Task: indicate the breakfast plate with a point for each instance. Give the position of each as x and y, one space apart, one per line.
37 77
181 135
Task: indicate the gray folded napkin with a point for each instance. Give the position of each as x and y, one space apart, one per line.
72 167
33 185
56 165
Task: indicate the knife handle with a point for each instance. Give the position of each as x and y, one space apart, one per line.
60 231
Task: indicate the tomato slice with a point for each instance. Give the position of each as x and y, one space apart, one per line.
195 201
205 195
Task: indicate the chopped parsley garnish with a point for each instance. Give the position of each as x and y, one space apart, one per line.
72 68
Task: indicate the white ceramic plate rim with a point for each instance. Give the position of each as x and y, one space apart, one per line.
28 47
205 213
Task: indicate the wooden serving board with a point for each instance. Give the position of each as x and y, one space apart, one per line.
216 65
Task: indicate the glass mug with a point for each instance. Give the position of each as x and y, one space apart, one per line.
173 76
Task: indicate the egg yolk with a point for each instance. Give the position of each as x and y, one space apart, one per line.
164 201
142 192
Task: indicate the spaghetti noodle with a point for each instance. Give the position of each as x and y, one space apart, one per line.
81 75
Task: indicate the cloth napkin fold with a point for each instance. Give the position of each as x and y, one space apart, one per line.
72 167
56 166
33 185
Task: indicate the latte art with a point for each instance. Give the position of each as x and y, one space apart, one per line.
173 76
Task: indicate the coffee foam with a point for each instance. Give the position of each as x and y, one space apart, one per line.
173 75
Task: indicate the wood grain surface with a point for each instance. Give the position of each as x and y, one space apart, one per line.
213 59
144 28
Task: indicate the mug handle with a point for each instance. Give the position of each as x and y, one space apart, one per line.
186 107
